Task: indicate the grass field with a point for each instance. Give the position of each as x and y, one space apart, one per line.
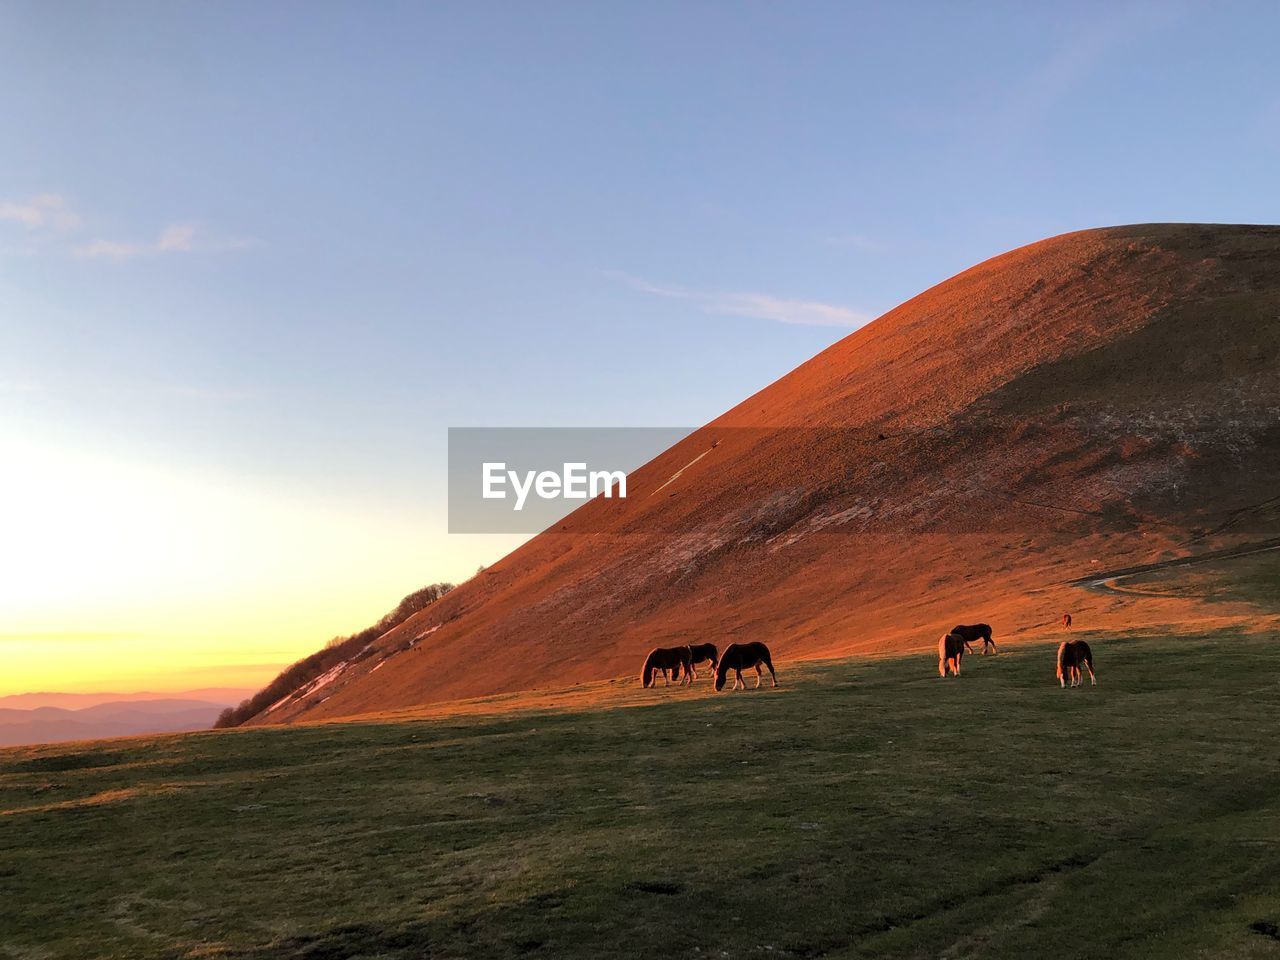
1254 579
863 809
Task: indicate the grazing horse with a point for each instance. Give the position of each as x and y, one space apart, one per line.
972 633
739 655
664 659
702 651
1072 655
1066 621
950 653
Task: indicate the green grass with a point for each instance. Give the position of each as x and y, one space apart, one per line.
865 809
1252 579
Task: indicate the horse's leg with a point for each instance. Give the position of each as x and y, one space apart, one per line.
942 668
738 681
769 663
759 676
1093 681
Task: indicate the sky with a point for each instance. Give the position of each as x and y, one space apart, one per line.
257 258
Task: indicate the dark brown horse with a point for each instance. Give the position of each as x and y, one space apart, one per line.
699 652
950 653
1072 655
974 632
740 656
674 659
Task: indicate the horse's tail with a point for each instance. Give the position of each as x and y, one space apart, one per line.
646 675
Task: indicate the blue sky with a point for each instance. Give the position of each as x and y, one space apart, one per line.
278 248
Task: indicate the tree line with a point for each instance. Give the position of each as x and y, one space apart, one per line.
297 675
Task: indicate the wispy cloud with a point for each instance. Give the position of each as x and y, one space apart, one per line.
174 238
109 250
48 223
43 211
760 306
1079 55
177 236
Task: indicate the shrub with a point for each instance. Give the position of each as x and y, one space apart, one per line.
297 675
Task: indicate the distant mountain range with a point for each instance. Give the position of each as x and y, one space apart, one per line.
29 718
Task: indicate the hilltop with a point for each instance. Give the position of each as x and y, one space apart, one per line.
1100 399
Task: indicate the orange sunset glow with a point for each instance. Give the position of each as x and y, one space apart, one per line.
137 576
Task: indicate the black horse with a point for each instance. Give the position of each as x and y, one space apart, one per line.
739 655
699 652
974 632
664 659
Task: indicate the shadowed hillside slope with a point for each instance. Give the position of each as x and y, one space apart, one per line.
1096 399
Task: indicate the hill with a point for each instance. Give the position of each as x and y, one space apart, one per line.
49 724
77 701
1099 399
